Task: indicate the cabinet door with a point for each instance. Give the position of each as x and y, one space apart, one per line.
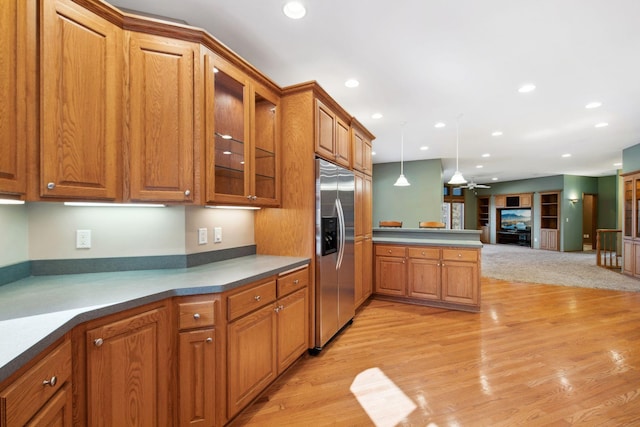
293 328
525 201
197 378
367 268
265 165
358 283
343 144
359 207
17 81
57 412
367 206
128 371
628 208
161 110
391 276
424 279
81 122
325 131
251 357
460 282
358 151
636 259
501 201
629 257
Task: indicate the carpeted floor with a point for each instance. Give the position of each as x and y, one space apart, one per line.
519 264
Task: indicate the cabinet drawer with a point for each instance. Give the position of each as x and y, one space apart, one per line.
22 399
196 314
293 281
424 253
398 251
251 299
453 254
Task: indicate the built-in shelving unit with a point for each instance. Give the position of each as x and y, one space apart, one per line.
483 218
549 220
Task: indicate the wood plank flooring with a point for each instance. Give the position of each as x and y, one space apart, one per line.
536 355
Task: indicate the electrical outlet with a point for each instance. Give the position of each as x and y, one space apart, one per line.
217 235
83 239
202 236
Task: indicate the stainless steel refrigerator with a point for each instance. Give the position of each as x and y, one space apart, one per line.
335 191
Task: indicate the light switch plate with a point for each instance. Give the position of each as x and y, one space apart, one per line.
217 235
83 239
202 236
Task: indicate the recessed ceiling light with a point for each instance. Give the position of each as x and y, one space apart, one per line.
486 155
424 148
495 178
617 164
479 166
352 83
527 88
593 105
602 125
497 133
376 116
439 125
294 10
566 155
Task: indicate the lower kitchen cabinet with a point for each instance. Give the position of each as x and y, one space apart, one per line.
42 395
292 328
128 369
439 276
197 378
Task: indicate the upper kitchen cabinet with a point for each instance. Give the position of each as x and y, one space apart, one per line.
81 103
333 138
242 137
161 110
361 142
18 109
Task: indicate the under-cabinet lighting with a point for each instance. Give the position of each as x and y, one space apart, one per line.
226 152
11 202
115 205
249 208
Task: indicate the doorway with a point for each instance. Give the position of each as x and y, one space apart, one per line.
589 221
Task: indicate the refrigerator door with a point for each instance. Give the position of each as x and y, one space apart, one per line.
326 271
346 267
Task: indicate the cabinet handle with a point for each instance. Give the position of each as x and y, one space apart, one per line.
51 383
51 185
282 307
249 197
423 254
277 309
254 198
98 342
257 298
196 316
389 250
295 282
209 340
187 192
459 255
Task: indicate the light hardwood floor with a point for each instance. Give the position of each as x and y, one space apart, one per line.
536 355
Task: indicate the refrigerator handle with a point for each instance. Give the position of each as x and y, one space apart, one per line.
341 233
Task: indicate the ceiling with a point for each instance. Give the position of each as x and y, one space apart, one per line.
454 61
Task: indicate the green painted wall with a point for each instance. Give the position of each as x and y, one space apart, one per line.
631 159
421 201
608 202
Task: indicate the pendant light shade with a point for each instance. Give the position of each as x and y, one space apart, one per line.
402 181
457 178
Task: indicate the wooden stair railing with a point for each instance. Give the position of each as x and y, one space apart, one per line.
608 243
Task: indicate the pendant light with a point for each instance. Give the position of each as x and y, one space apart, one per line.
457 178
402 181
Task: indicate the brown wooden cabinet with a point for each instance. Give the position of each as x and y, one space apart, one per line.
81 103
242 137
631 224
198 366
333 140
128 369
160 141
42 395
361 143
18 109
549 220
440 276
363 260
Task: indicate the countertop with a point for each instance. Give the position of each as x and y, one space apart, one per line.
36 311
428 237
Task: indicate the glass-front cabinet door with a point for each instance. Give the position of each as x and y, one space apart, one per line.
242 138
628 207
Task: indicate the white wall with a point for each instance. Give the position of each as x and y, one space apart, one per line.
42 231
14 232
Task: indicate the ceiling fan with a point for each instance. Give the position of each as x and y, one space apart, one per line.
472 184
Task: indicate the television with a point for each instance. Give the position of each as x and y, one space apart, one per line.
515 220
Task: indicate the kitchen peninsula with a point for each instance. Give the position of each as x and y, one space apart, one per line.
434 267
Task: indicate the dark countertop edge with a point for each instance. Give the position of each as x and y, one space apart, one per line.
429 242
23 358
426 230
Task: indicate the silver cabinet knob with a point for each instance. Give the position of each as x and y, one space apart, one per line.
249 197
254 198
98 342
51 383
196 316
423 253
51 185
295 282
209 339
277 309
187 192
257 298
